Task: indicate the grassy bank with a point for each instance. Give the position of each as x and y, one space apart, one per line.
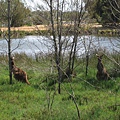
85 29
97 100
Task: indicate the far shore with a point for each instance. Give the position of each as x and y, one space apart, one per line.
26 28
92 28
44 27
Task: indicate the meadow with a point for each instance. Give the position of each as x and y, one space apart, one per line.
96 100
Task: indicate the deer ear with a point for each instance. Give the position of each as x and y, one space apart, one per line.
97 55
12 58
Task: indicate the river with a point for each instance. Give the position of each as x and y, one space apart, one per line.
32 45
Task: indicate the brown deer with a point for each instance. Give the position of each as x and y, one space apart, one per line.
18 73
101 73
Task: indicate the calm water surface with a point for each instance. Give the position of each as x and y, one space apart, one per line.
32 45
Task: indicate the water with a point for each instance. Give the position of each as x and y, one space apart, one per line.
29 45
32 45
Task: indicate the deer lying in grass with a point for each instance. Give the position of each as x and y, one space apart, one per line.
101 73
18 73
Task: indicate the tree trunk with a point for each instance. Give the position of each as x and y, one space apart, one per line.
9 44
57 54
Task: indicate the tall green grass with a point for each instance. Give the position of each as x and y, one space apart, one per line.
97 100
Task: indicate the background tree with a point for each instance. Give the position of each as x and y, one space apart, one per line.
64 46
18 16
40 17
104 11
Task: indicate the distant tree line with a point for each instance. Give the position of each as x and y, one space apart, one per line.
104 11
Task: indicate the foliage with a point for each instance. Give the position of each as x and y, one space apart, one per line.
105 11
18 13
40 17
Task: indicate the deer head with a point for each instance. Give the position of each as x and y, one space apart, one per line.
100 65
99 57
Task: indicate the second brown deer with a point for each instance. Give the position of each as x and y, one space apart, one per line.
18 73
101 73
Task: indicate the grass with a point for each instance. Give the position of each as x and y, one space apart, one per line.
97 100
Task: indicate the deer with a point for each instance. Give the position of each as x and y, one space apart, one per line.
18 73
101 73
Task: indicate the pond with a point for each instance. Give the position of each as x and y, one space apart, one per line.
32 45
